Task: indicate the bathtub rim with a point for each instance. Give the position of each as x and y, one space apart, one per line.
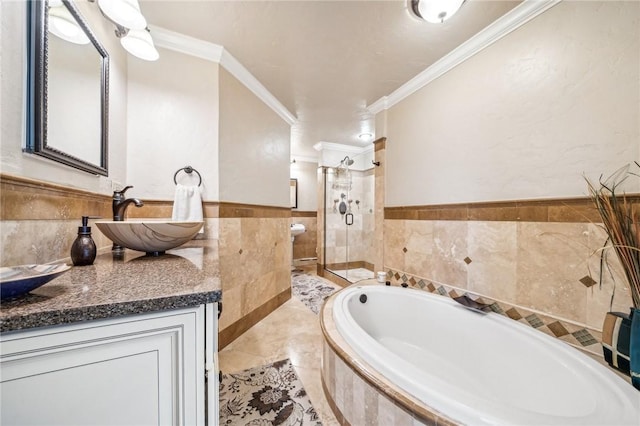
397 395
401 398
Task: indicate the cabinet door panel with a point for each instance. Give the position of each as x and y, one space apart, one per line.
138 371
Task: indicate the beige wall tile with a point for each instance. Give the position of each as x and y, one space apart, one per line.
232 302
492 249
551 258
394 243
449 251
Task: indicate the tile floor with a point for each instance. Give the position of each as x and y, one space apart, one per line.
291 331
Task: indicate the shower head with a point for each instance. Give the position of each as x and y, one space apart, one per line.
346 161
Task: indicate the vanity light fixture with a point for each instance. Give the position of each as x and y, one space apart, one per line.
139 43
131 27
435 11
125 13
63 25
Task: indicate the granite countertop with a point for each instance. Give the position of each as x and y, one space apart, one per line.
186 276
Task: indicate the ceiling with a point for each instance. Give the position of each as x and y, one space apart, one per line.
325 61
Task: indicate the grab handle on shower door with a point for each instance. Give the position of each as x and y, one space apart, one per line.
348 219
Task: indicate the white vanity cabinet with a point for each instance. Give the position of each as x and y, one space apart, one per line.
146 369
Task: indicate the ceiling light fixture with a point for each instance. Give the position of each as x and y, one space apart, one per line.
435 11
131 27
365 136
64 25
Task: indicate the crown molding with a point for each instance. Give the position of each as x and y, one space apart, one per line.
512 20
215 53
238 70
185 44
304 159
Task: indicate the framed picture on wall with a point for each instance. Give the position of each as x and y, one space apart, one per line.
293 193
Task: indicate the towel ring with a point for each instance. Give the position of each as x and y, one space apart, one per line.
188 170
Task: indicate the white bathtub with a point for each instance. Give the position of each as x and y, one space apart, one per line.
479 368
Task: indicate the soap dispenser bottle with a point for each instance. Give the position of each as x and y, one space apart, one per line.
83 250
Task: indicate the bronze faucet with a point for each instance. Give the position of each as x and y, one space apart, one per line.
120 204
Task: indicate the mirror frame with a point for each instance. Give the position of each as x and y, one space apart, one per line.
37 76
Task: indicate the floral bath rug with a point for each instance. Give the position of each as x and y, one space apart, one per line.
269 395
311 290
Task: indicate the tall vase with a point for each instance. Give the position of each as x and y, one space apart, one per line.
634 348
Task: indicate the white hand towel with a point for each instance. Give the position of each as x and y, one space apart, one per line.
187 205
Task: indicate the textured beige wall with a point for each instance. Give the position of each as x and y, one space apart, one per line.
527 116
13 43
172 122
254 148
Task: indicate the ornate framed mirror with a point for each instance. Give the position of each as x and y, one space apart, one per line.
68 88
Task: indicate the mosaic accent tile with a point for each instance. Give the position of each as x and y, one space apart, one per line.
513 314
495 307
534 321
404 278
396 276
431 287
467 260
421 284
557 329
412 281
453 294
389 274
588 281
584 337
404 249
442 291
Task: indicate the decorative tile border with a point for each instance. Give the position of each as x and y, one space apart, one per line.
576 335
565 210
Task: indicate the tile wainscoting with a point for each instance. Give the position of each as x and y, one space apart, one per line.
537 262
39 222
305 245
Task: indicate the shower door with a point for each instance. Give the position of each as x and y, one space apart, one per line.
348 223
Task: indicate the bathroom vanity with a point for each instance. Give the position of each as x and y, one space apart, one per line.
123 341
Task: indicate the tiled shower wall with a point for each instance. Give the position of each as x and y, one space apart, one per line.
548 268
361 234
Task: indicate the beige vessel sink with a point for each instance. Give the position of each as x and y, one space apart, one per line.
153 236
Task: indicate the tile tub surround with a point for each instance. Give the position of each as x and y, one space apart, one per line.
359 395
546 267
187 276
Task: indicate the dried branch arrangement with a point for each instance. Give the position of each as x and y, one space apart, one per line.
620 219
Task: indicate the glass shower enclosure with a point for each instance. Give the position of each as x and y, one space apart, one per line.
349 221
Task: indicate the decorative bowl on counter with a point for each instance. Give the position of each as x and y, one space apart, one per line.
18 280
153 236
